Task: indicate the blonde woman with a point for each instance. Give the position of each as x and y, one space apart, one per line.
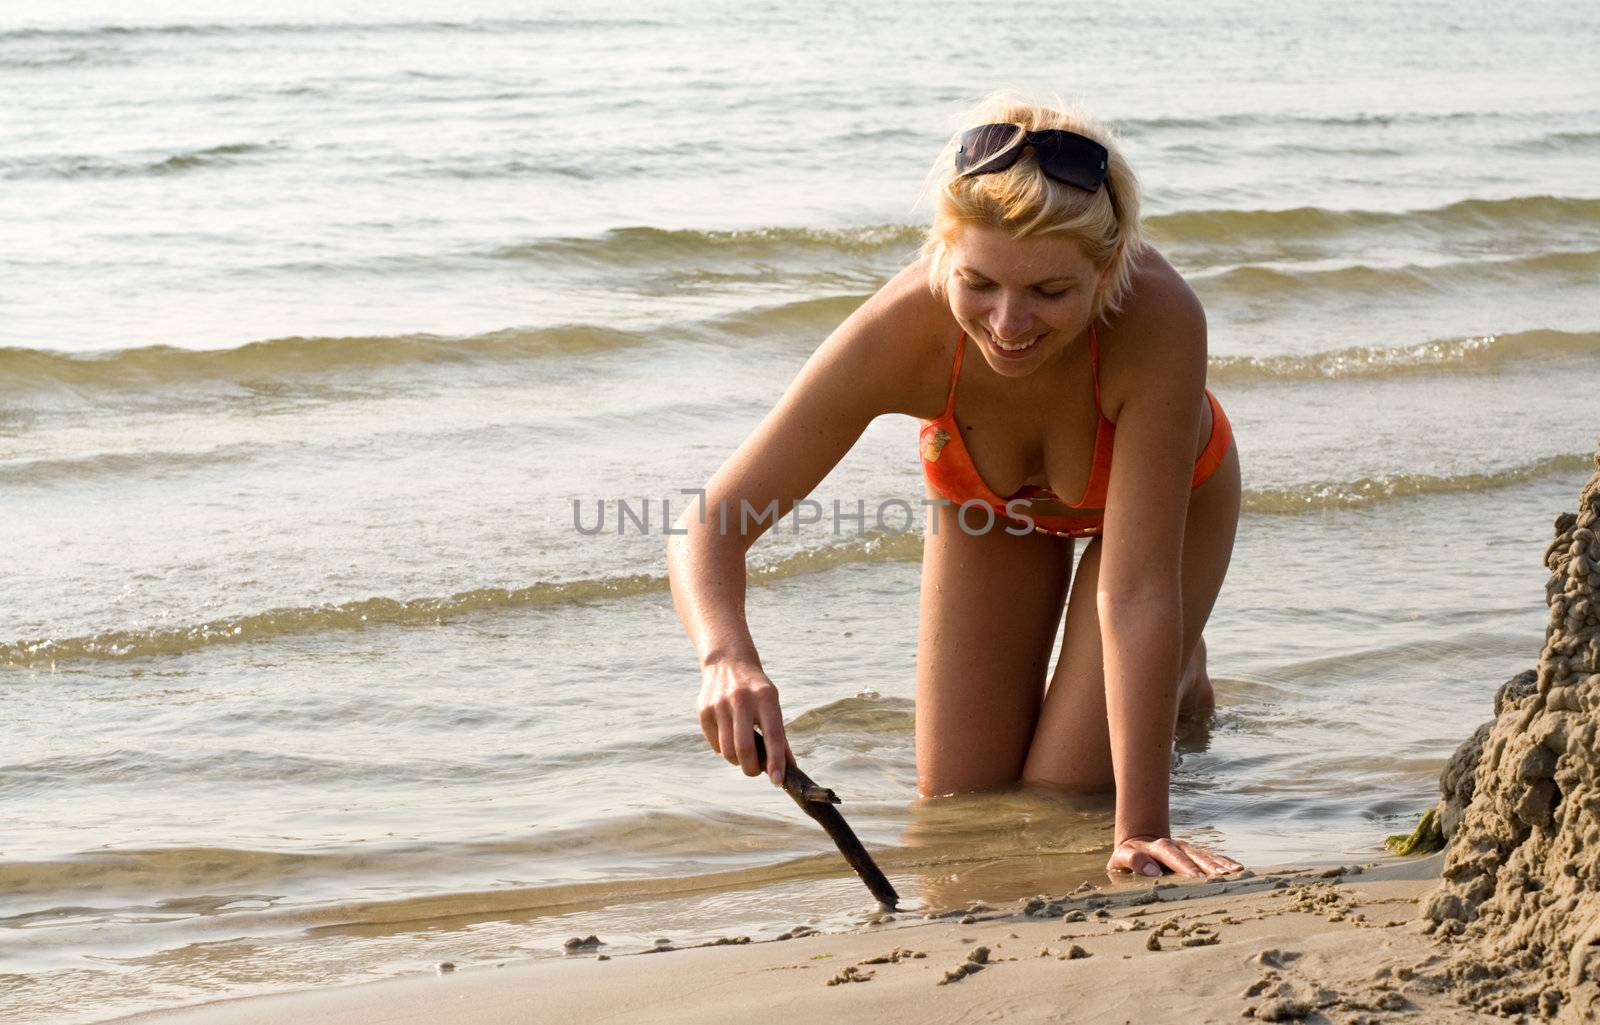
1057 363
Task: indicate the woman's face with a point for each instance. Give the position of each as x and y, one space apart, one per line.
1023 299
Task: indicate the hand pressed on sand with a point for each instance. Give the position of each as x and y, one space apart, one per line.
1151 855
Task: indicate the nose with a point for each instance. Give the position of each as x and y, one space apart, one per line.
1010 319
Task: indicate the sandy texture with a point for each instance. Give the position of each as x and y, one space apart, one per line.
1519 911
1252 948
1459 781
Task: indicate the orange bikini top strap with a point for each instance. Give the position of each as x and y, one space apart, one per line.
1094 365
955 374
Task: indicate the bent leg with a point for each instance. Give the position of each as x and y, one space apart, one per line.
991 603
1194 687
1072 747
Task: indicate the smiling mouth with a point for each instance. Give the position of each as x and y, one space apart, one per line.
1019 346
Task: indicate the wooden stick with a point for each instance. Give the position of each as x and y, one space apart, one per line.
818 802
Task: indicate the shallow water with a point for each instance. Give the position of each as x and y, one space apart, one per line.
317 325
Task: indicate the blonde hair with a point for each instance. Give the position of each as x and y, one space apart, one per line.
1025 202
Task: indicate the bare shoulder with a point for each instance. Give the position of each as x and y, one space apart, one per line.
1162 328
904 337
876 362
1159 303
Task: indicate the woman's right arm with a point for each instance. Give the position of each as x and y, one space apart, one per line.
861 371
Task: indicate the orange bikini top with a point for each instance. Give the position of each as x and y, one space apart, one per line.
948 465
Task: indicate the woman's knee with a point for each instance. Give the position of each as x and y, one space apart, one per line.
990 609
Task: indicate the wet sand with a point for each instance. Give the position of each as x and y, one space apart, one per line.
1337 944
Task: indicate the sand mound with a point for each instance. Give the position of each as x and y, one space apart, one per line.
1519 908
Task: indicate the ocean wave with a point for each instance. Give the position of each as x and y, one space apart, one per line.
1363 281
1480 354
1240 228
1558 142
253 627
204 157
1321 495
182 30
646 246
646 159
100 167
1237 230
150 465
863 713
23 369
812 318
101 56
173 871
1223 122
867 713
384 770
246 886
351 615
212 765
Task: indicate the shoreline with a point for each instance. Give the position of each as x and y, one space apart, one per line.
1321 944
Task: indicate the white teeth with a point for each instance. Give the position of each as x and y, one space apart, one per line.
1018 347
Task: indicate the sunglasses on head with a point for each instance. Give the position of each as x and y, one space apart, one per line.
1065 156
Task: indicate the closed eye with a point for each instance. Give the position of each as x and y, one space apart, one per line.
984 286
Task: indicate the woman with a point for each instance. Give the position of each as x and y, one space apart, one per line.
1036 332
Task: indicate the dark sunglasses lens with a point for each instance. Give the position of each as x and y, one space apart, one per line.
1073 159
979 145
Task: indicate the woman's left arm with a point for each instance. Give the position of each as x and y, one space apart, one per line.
1162 362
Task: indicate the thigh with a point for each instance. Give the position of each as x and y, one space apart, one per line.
1072 746
991 603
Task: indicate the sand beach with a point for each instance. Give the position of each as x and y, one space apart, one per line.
1342 944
